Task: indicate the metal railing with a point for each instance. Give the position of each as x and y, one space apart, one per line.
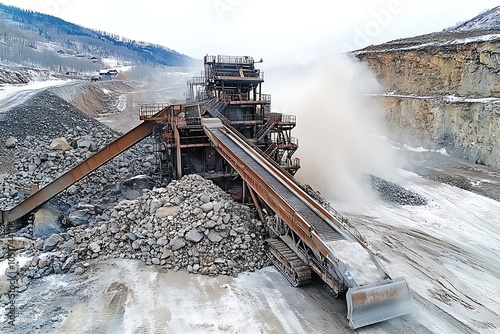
235 60
197 80
148 110
277 117
293 163
235 97
265 97
288 118
288 141
210 59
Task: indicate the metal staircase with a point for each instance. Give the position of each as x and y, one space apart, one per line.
214 107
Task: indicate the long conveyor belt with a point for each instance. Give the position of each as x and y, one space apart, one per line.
328 233
372 296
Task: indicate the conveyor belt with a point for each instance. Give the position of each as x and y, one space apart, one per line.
327 232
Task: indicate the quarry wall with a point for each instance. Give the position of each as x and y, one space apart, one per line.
445 96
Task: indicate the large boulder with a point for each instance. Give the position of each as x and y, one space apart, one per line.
214 237
11 142
47 221
77 218
207 207
84 142
164 212
194 236
177 243
81 214
60 144
51 242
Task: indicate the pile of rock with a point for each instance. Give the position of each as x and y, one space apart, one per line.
46 136
190 225
394 193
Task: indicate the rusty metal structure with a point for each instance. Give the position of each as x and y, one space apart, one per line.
226 132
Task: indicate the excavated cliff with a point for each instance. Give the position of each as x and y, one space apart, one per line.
442 90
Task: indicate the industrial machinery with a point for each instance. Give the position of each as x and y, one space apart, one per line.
226 132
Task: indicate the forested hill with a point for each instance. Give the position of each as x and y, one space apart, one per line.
32 38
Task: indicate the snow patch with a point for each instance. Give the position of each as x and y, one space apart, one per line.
122 103
11 95
460 99
415 149
447 98
458 41
422 149
21 260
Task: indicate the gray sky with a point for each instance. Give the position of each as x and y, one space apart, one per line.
278 31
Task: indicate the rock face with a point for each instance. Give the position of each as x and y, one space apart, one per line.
466 69
442 91
469 130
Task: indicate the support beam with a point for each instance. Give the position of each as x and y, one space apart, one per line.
257 205
178 151
243 191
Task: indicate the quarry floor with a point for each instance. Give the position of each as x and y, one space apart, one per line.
446 250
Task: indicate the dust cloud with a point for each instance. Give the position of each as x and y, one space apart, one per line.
339 125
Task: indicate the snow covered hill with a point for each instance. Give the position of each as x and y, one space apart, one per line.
489 20
33 39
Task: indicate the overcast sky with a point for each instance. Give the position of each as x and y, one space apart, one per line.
278 31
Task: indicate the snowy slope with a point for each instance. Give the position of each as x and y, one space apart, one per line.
482 28
489 20
35 39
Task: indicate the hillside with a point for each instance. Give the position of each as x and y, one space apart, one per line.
34 39
442 89
485 21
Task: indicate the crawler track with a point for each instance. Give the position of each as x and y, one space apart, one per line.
287 262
